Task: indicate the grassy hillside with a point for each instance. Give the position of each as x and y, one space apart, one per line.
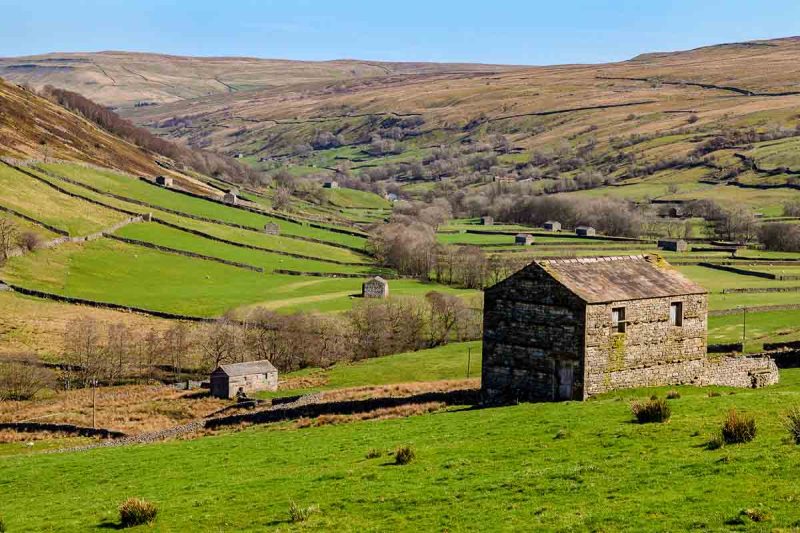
574 465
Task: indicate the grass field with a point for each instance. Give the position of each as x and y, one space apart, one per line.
343 197
153 280
181 240
547 466
136 189
35 199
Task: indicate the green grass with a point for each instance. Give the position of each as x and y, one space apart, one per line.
772 326
441 363
354 198
136 189
483 469
173 238
111 271
35 199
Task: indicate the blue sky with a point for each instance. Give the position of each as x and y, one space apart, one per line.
499 31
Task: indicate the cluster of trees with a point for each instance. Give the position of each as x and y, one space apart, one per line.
202 161
23 377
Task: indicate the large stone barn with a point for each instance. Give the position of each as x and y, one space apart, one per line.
253 376
376 287
566 329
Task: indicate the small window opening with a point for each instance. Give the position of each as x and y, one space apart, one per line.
618 319
676 313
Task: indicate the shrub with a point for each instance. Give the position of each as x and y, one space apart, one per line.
404 455
756 515
135 512
673 395
651 411
738 428
715 442
300 514
713 394
30 241
374 453
2 526
793 423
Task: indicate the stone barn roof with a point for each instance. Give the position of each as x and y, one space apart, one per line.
611 279
246 369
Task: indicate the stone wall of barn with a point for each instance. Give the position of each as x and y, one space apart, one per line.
374 289
526 343
649 340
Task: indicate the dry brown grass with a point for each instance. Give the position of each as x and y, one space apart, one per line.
400 411
131 409
399 389
317 379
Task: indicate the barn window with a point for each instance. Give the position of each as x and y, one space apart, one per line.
618 319
676 313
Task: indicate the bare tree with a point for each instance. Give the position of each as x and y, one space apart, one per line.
24 379
8 238
220 342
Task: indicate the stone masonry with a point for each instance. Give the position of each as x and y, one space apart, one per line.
572 328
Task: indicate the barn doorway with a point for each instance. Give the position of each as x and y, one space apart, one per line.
565 379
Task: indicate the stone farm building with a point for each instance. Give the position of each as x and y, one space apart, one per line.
330 185
673 245
552 225
164 181
376 287
487 221
271 228
252 376
567 329
230 198
524 239
585 231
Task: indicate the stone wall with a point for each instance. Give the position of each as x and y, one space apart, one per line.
525 343
374 289
649 338
746 372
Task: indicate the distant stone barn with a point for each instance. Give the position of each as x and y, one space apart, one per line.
230 198
254 376
271 228
376 287
164 181
567 329
585 231
524 239
552 225
487 221
673 245
330 185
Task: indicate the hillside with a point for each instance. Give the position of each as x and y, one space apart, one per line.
124 79
623 120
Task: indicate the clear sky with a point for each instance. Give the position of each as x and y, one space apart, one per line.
489 31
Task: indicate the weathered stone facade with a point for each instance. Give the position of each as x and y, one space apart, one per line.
376 287
487 221
673 245
228 380
524 239
230 198
585 231
164 181
552 225
572 328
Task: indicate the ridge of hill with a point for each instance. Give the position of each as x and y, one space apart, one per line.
126 79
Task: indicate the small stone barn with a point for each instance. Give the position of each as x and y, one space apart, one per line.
253 376
585 231
524 239
552 225
487 221
376 287
230 198
331 185
271 228
567 329
164 181
673 245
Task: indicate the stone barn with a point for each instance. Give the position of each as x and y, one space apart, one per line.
585 231
567 329
272 228
253 376
552 225
331 185
164 181
524 239
487 221
230 198
376 287
673 245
